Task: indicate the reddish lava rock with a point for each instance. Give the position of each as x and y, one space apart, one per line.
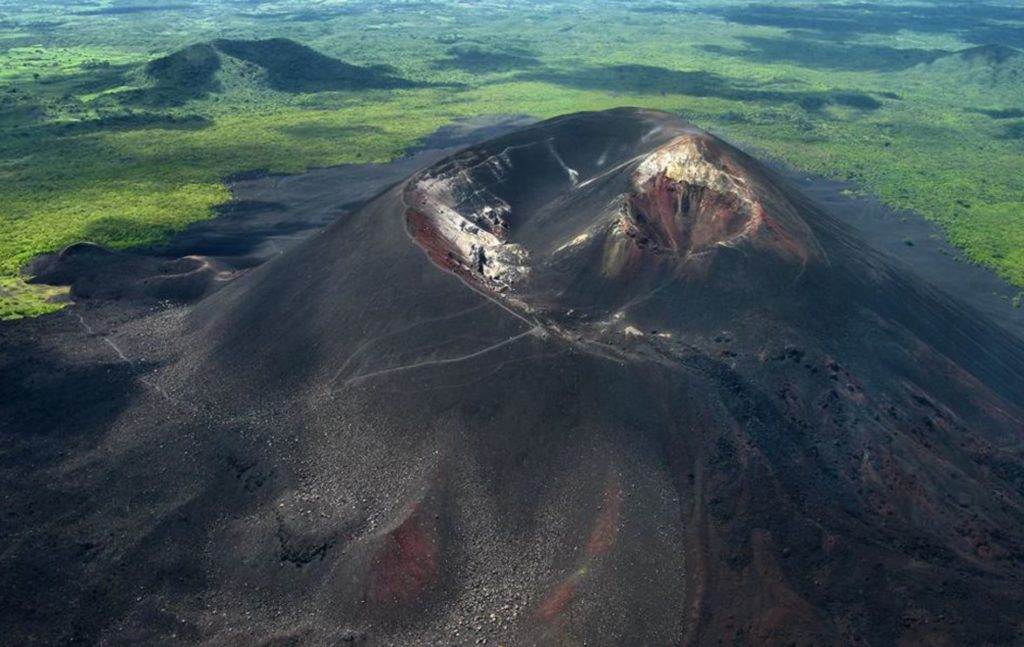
406 565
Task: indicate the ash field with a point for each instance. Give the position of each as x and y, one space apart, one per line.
599 380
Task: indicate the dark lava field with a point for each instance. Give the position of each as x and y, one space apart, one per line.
601 380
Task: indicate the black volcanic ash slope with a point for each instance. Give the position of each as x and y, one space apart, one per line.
604 381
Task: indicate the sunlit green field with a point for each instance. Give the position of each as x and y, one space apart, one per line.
862 92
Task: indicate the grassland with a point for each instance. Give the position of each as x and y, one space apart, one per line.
91 147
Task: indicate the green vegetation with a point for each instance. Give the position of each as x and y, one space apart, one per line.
119 122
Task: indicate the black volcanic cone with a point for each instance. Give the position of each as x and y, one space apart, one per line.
603 381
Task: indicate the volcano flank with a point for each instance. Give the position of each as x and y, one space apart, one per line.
605 380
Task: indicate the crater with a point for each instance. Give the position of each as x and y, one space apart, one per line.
542 214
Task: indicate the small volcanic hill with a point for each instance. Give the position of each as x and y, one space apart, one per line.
606 380
292 67
277 64
996 69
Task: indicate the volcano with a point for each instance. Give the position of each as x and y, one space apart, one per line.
606 380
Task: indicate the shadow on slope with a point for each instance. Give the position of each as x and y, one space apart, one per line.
814 53
975 22
653 79
480 60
